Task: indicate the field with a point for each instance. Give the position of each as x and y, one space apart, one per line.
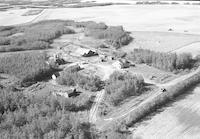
162 42
191 48
177 120
16 16
130 17
151 30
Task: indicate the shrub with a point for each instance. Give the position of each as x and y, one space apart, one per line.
94 25
6 28
122 85
4 41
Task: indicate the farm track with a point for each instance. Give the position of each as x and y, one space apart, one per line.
36 18
42 16
186 45
94 109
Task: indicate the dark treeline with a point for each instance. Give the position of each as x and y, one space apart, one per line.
40 117
121 86
40 35
114 35
35 36
164 61
72 77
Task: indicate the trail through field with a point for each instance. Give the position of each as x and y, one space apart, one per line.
44 15
38 18
193 48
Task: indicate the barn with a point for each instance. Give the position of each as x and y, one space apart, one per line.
85 52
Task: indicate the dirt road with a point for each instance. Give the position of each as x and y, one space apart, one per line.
101 123
94 109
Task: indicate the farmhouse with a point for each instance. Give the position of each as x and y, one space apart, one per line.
85 52
55 75
121 63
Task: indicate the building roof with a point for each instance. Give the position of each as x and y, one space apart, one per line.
82 51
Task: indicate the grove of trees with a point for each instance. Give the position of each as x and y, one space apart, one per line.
161 60
28 116
28 66
32 37
114 35
72 77
121 86
40 35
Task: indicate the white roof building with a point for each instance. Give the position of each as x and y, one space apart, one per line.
117 64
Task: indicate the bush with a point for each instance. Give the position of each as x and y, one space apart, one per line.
7 31
6 28
28 67
94 25
122 85
4 41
